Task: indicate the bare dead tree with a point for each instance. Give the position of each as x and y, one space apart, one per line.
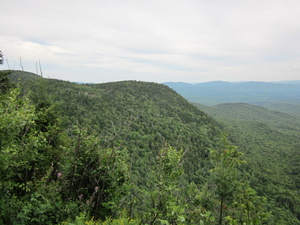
1 58
41 68
7 64
36 68
21 64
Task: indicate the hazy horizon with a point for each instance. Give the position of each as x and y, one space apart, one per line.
192 41
87 82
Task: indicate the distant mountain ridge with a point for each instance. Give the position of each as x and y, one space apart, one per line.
282 96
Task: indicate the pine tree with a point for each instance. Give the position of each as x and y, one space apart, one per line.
224 175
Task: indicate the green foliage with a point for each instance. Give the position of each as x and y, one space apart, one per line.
269 141
248 208
140 117
5 83
224 175
162 193
198 203
94 176
28 160
83 220
96 154
236 200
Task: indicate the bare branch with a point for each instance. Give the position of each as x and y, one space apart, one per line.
41 68
1 58
21 64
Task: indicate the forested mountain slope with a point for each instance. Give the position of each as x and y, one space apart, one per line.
271 142
149 113
133 123
139 116
132 149
244 111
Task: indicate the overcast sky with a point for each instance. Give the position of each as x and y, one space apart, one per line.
153 40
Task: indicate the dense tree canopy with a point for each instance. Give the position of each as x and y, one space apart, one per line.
270 141
137 150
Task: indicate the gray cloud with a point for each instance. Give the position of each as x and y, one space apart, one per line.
177 40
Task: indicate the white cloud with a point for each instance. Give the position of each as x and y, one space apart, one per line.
188 40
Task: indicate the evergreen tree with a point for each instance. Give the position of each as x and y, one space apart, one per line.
224 175
236 201
5 83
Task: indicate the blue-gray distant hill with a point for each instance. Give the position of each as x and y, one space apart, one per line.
281 96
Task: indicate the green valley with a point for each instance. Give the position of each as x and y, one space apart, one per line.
134 152
270 141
